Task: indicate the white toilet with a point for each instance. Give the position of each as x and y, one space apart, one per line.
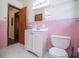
60 43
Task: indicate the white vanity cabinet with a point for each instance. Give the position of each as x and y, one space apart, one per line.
28 40
36 42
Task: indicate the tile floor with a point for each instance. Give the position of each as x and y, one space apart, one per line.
16 51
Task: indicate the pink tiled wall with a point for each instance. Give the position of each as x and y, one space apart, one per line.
3 33
66 27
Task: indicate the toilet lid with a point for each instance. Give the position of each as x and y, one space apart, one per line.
57 52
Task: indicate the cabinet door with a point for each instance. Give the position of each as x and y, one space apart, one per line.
28 40
37 43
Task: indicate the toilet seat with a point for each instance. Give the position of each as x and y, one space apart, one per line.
58 52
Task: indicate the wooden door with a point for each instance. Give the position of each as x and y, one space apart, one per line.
22 24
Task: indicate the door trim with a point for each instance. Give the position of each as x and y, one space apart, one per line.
8 20
13 6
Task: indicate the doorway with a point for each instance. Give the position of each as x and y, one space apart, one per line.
13 19
17 21
16 28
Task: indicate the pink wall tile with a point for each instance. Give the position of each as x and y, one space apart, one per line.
3 34
64 27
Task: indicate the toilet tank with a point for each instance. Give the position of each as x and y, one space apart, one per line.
60 41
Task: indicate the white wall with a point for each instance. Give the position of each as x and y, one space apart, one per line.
30 15
0 2
57 10
4 7
16 3
77 8
30 12
38 11
59 7
61 10
3 10
0 8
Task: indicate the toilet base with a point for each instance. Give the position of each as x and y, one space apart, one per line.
51 56
55 52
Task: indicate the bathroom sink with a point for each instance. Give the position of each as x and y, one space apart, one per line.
34 29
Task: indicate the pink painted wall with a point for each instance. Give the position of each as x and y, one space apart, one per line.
3 33
64 27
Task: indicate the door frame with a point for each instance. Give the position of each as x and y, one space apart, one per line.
8 20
